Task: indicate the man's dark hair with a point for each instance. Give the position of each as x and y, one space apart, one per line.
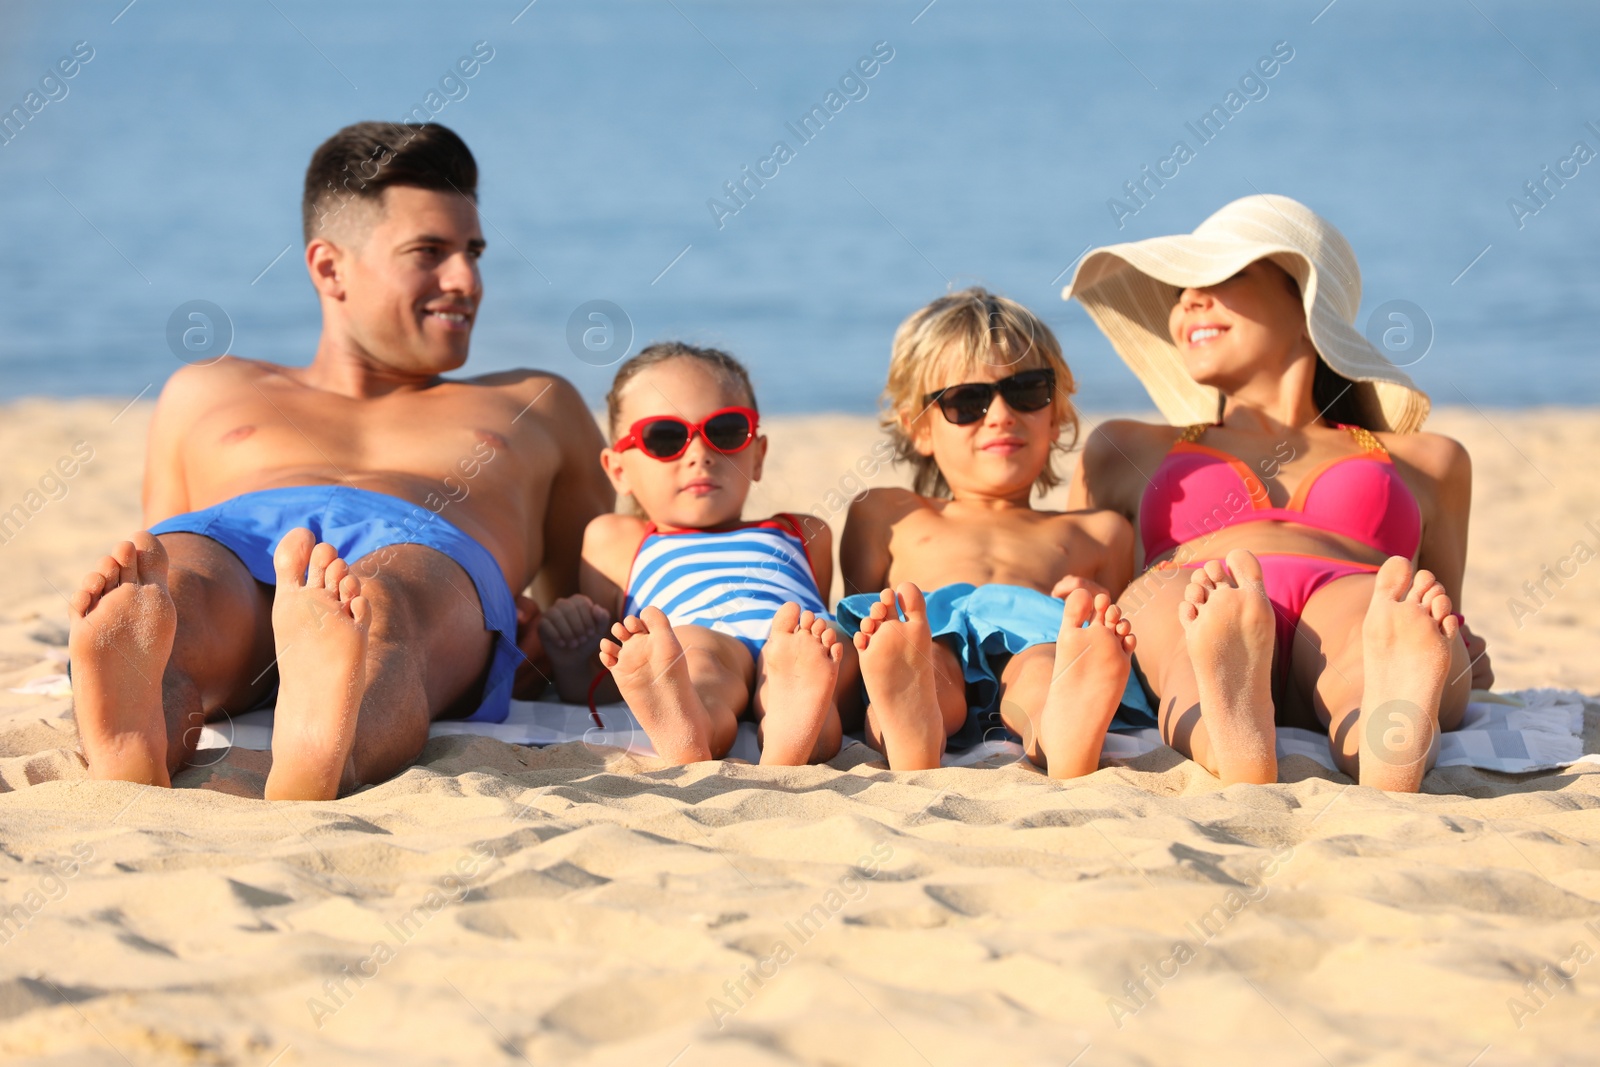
361 161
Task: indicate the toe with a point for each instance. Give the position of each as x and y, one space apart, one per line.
361 611
1078 611
1422 583
333 577
126 556
292 556
1245 568
911 601
653 619
1393 580
1215 573
786 619
350 588
151 556
322 556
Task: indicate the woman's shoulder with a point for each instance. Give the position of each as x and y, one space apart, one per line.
1132 433
1120 448
1432 453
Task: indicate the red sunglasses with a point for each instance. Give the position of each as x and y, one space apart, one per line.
666 437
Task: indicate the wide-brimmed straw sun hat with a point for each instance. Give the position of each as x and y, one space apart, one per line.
1129 290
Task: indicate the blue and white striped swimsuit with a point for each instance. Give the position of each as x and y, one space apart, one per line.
730 581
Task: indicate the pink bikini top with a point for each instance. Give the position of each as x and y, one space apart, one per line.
1198 490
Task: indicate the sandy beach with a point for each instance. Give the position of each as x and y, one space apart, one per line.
498 904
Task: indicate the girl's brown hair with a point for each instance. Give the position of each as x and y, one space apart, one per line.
729 370
951 336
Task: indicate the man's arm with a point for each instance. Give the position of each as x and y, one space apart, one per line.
578 493
165 492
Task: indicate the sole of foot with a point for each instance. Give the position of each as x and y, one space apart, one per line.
121 626
1405 642
320 623
1229 629
897 670
798 670
1086 683
652 674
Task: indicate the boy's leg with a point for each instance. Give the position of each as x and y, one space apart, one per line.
686 685
796 679
1061 697
916 690
165 633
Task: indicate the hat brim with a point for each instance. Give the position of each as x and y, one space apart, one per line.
1129 290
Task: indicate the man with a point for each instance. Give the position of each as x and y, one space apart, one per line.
351 531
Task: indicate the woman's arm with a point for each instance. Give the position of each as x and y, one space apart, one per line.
1108 474
1448 470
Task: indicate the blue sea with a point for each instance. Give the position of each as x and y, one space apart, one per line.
991 144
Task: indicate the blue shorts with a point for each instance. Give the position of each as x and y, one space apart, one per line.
359 522
988 623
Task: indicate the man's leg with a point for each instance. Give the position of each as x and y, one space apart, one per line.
424 652
166 633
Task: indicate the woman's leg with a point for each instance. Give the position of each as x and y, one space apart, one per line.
1377 660
1205 645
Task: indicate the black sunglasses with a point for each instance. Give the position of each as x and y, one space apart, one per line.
965 404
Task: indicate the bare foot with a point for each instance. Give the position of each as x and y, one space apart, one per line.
571 631
1405 643
122 622
652 674
1228 626
319 622
897 669
796 675
1086 685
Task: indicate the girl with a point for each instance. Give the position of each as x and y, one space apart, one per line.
718 616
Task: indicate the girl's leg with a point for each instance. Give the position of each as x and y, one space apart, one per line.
796 678
1378 661
1205 644
687 685
1061 697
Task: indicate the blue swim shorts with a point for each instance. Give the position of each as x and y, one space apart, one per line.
987 623
359 522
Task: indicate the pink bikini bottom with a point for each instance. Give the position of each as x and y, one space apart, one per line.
1290 580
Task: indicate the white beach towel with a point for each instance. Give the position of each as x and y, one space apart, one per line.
1527 730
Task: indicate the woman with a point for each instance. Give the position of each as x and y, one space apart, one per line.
1303 541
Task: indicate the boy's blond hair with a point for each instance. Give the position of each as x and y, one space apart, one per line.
948 339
